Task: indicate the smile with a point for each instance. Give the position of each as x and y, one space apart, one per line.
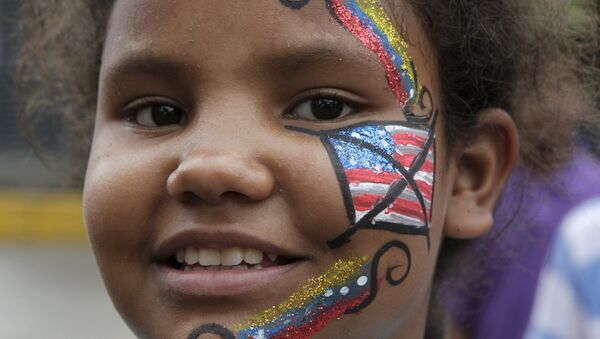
200 264
234 258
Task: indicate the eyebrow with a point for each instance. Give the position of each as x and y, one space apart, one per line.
294 60
163 66
284 61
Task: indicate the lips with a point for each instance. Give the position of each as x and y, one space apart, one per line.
222 264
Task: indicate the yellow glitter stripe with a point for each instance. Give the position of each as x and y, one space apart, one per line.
377 14
338 274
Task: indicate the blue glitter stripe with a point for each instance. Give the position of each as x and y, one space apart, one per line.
297 317
294 317
394 56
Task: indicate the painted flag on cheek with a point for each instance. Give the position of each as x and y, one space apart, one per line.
386 173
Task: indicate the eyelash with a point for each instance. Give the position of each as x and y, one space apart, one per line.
354 106
131 112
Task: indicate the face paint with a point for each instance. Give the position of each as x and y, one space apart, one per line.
368 22
294 4
212 328
344 286
385 169
386 175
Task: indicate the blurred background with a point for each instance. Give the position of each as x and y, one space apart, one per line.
49 283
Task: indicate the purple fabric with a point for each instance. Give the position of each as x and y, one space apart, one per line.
492 297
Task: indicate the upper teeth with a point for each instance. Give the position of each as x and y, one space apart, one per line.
227 257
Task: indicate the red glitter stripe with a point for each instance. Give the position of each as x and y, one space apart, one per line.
372 42
315 325
411 139
425 188
365 176
359 176
407 159
366 202
408 208
412 209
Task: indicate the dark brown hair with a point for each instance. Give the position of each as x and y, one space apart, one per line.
521 56
526 57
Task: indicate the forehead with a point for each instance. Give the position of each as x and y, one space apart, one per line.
229 30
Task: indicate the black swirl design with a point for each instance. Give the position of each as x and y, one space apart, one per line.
212 328
388 275
294 4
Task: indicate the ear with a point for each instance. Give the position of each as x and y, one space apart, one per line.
481 170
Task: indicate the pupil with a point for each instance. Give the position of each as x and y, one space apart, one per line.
165 115
326 109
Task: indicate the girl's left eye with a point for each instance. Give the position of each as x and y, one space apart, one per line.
321 109
159 116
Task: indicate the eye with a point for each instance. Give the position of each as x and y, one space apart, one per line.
158 116
321 109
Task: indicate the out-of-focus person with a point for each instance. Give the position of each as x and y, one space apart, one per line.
567 304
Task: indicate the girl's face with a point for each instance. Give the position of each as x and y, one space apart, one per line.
265 168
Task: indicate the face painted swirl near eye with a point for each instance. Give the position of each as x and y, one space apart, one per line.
368 21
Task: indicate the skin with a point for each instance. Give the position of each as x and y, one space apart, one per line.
232 166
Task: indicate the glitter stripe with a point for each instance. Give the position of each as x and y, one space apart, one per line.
312 327
339 274
372 42
409 139
407 159
373 15
358 177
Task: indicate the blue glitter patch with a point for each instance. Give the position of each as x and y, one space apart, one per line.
355 156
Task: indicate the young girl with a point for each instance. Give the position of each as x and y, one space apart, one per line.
281 169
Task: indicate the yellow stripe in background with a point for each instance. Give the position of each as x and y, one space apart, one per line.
41 215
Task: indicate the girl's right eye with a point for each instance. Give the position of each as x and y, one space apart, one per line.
158 116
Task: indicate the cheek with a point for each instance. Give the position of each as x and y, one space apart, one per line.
309 184
121 191
384 172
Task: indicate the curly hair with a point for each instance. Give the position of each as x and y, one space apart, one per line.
521 56
526 57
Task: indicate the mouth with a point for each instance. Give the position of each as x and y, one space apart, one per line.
233 258
219 265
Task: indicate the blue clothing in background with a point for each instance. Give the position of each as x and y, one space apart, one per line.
492 294
567 304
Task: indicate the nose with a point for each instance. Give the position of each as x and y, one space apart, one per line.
211 177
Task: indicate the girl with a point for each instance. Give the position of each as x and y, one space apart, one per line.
288 168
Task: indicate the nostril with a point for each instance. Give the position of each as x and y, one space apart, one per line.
213 178
188 197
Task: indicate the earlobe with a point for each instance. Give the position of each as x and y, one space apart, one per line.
481 170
